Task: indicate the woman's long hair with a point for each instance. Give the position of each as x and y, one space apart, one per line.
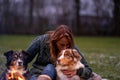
60 32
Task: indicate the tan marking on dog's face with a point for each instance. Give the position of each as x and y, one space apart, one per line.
17 61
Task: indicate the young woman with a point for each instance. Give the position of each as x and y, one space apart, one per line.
45 49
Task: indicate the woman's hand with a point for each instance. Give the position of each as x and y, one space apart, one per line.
69 73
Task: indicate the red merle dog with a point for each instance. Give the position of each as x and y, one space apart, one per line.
68 59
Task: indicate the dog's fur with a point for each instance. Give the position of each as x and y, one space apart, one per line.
16 65
68 59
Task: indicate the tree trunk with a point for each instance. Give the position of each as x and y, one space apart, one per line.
117 17
6 16
77 8
30 24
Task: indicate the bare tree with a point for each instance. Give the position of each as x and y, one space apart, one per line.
117 17
77 18
6 14
2 28
30 24
103 7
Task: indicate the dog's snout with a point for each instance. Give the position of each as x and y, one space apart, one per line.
20 63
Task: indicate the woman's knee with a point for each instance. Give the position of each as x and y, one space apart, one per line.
34 77
50 71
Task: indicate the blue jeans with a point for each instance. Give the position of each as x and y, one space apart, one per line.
34 77
48 70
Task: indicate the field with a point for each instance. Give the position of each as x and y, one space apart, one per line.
101 53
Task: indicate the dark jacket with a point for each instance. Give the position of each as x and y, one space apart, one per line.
40 47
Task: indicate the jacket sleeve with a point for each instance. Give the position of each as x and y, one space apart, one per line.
84 72
33 48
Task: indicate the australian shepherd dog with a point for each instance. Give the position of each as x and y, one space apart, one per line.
68 59
16 66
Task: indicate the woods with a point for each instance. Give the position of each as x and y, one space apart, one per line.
89 17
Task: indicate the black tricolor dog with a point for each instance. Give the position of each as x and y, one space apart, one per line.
16 65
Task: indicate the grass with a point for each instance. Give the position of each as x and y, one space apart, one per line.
101 53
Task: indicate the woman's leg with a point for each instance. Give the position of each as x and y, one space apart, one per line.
34 77
50 71
95 77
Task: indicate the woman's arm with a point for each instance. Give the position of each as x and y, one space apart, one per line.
84 72
33 48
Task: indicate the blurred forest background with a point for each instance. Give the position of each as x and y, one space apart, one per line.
85 17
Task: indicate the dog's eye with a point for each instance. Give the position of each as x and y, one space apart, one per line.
14 59
59 55
15 56
20 56
68 56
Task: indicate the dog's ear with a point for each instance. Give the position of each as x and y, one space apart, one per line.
25 53
8 54
26 57
76 54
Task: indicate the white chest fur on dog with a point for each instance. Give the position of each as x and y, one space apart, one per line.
68 59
